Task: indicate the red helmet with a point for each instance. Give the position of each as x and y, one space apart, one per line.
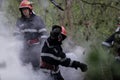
26 4
63 31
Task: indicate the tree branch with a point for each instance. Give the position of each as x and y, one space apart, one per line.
102 4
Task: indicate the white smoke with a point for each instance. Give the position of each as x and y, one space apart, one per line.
44 3
76 53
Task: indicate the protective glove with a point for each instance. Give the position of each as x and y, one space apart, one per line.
82 66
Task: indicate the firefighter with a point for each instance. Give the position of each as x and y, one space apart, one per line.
114 41
31 29
52 54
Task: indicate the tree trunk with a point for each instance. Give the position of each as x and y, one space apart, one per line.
68 13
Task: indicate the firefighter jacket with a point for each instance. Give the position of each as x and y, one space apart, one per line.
53 54
31 28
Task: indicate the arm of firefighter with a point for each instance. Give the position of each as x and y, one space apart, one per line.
42 28
43 35
17 33
16 29
42 31
77 64
109 41
67 62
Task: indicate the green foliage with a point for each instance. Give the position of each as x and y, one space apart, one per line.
100 63
116 71
13 8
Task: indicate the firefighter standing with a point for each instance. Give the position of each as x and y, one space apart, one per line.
31 29
52 54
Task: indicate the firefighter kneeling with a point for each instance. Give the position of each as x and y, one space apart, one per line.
52 54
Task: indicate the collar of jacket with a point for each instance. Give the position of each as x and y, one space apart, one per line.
53 42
